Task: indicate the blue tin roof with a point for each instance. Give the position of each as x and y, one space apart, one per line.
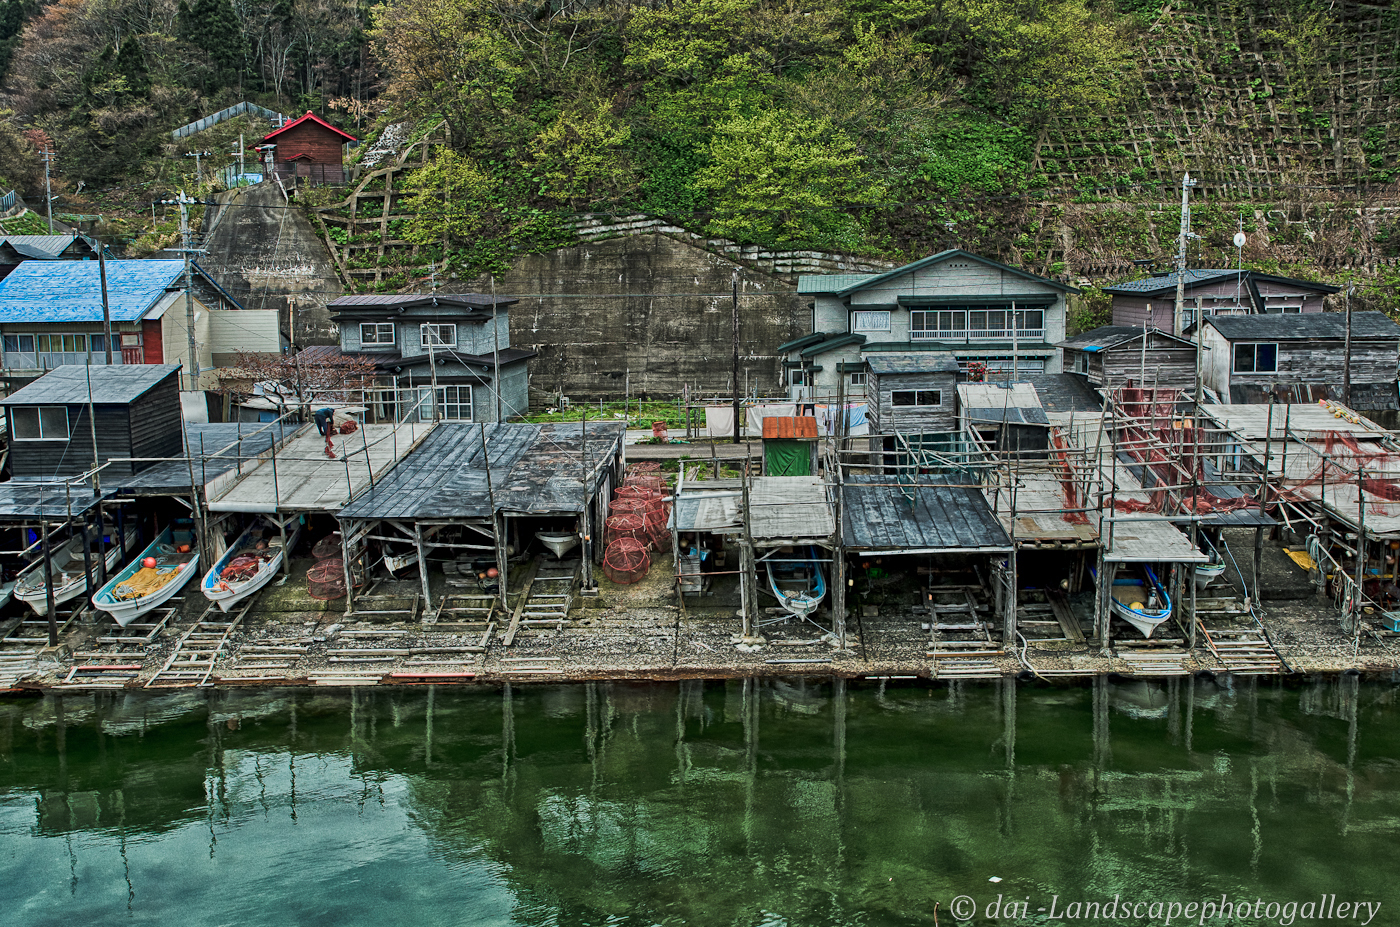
71 291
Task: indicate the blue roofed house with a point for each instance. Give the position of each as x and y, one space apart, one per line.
51 314
969 307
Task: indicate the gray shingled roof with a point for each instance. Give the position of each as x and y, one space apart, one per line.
948 513
1275 327
1160 282
829 283
68 384
923 362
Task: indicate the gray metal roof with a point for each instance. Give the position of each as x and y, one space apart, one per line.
1303 327
923 362
1017 403
1065 392
948 513
68 384
24 501
445 476
417 299
1196 275
535 470
956 253
214 450
790 508
1102 337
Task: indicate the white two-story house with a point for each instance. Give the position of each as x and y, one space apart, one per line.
972 308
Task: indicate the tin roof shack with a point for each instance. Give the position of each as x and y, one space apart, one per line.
1007 417
1150 301
15 249
955 302
51 314
1245 357
1114 355
310 148
462 334
790 446
472 500
136 412
909 394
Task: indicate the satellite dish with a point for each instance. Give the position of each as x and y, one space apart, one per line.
1239 239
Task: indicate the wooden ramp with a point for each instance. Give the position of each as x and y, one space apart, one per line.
201 647
1156 661
546 598
1244 650
960 643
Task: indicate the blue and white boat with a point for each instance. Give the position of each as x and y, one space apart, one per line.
250 562
1140 599
798 583
139 588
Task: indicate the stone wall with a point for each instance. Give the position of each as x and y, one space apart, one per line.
650 308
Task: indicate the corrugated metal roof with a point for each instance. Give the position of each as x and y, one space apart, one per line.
947 513
1198 275
1102 337
1065 392
1276 327
71 291
795 428
45 246
924 362
21 500
548 477
790 508
214 450
829 283
68 384
957 253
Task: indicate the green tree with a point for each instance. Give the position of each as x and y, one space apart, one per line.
213 26
131 65
581 156
781 179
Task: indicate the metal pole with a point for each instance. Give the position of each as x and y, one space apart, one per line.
48 584
734 282
189 288
1346 352
48 190
1186 184
106 308
496 351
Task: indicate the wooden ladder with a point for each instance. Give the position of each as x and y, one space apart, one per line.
194 657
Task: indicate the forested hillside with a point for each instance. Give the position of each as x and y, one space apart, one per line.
1050 133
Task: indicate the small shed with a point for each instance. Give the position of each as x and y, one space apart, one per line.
135 408
790 446
309 147
911 392
1009 416
1110 356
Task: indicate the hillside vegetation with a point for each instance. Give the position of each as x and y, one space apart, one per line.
1050 133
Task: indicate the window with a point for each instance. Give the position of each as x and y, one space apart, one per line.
938 325
63 344
800 377
1255 358
22 344
917 397
442 336
871 321
40 423
455 403
1284 310
1083 365
376 333
857 379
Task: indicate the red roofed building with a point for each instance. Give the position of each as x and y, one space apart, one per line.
309 147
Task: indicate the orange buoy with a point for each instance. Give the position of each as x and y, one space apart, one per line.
149 563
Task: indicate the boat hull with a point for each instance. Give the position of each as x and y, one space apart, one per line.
124 612
559 543
37 598
1207 573
800 603
228 594
1141 590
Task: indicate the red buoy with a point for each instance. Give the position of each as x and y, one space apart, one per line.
149 563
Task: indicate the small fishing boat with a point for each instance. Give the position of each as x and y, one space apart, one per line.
250 563
393 562
1141 600
69 579
1207 573
560 542
798 583
152 578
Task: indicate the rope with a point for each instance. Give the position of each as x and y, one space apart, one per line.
144 582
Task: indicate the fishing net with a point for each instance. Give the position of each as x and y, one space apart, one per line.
326 580
327 547
626 561
651 481
241 568
144 582
645 466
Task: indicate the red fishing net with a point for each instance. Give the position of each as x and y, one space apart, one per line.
626 561
328 546
326 580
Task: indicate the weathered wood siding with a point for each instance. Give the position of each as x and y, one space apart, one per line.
1219 295
886 418
1169 364
33 460
1323 361
321 145
156 428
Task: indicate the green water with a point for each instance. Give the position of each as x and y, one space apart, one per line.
720 803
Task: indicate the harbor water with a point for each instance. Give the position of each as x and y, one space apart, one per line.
740 802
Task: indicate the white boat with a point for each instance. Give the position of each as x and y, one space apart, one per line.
250 562
69 580
139 588
561 542
799 585
1141 600
394 562
1207 573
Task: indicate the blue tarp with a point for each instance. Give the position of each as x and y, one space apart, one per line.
71 291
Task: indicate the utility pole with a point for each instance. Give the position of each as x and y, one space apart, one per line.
1186 184
186 250
198 174
241 149
1346 352
106 307
48 190
734 282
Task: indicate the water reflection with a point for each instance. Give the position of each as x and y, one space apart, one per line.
747 801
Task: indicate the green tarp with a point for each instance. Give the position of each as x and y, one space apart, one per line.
787 458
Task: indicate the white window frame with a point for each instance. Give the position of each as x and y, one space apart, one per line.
439 328
870 320
938 317
799 376
378 329
857 379
450 397
923 398
39 423
1254 356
